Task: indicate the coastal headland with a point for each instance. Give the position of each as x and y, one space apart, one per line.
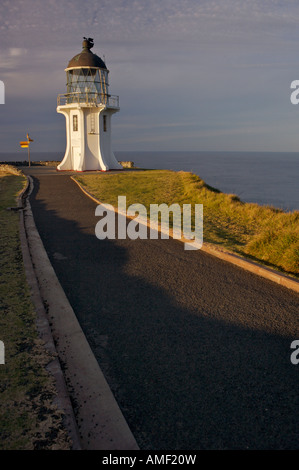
195 350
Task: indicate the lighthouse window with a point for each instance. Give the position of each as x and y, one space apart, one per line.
105 123
75 122
92 124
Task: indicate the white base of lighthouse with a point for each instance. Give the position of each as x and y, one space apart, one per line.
88 138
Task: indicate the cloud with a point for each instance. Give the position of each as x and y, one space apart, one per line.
172 62
17 51
38 23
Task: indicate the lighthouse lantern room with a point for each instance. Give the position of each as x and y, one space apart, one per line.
88 107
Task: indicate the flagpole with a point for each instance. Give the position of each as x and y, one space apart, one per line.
29 153
28 140
26 144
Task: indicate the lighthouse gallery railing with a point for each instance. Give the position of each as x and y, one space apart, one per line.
92 99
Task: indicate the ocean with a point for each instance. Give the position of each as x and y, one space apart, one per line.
266 178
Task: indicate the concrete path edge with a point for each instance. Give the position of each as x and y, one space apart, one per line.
93 417
62 399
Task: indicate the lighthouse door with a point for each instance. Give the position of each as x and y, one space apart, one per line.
76 154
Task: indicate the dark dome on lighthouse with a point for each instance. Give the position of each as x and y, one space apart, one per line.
86 58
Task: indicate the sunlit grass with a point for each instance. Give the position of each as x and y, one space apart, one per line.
6 170
263 233
27 413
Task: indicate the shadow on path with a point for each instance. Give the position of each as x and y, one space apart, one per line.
196 358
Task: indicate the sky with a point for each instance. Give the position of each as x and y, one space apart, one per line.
191 75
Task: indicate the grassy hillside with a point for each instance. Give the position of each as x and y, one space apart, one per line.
262 233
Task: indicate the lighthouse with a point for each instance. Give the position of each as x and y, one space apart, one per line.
88 107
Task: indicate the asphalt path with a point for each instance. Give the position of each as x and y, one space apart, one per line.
196 350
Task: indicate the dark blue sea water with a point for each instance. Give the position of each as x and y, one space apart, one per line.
265 178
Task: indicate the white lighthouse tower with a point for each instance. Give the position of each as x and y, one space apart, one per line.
88 107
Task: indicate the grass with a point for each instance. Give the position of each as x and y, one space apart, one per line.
28 418
262 233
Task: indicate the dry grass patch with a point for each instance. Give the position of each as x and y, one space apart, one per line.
6 170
